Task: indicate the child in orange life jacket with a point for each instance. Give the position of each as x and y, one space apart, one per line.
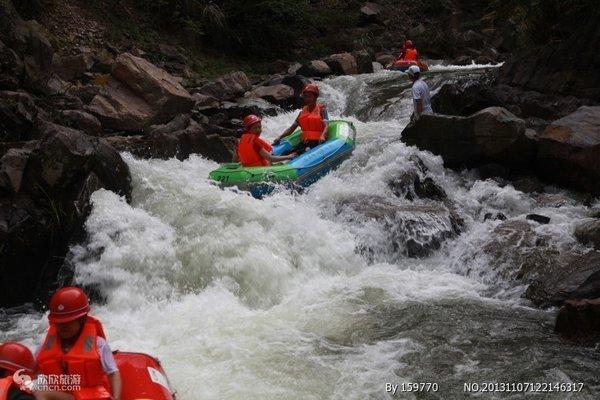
75 346
313 120
17 366
252 151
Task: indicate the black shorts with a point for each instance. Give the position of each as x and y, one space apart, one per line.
305 146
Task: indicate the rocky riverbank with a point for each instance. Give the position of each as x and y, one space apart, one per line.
66 112
535 122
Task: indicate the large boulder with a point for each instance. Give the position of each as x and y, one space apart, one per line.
227 87
578 277
44 201
315 68
466 99
138 95
19 116
568 67
579 321
490 135
364 61
588 232
11 68
118 107
83 121
159 89
410 230
370 12
72 66
179 138
342 64
569 150
282 95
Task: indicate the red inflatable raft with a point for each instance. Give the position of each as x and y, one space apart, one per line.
402 65
143 377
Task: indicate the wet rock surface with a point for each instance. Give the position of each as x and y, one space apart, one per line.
45 193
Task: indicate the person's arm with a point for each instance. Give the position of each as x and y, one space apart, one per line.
325 117
288 131
419 109
115 385
268 156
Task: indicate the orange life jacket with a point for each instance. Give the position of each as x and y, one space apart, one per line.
411 54
82 360
247 154
5 385
311 123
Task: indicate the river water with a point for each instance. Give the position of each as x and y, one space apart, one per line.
276 299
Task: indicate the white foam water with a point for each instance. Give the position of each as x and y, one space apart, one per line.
270 299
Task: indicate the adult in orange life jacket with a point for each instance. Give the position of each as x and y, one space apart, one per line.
313 120
17 365
252 150
75 346
410 53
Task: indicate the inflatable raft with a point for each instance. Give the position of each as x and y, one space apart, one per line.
143 377
402 65
300 171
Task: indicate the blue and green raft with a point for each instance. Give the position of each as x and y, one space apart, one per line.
299 172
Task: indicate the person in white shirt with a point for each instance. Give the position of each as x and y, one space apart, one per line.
420 93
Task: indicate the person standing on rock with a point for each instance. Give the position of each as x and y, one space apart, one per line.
17 366
252 151
421 94
313 120
75 347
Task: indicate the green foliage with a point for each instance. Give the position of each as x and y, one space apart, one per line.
264 27
546 20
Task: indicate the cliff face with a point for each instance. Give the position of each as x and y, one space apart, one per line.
570 67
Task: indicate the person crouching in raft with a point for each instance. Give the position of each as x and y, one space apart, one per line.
313 120
75 346
252 150
17 366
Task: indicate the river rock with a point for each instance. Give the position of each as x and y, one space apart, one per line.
227 87
11 68
72 67
493 135
27 38
364 61
579 320
282 95
137 95
179 138
588 232
159 89
315 68
342 64
19 116
44 201
465 99
569 150
568 67
370 12
83 121
577 277
412 230
385 59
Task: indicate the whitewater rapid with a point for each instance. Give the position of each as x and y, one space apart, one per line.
270 299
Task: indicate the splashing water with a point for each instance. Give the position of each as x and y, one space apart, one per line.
278 299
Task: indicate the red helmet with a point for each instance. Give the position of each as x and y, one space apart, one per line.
409 44
14 356
68 304
311 88
250 120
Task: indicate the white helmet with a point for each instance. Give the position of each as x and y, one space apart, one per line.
413 70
